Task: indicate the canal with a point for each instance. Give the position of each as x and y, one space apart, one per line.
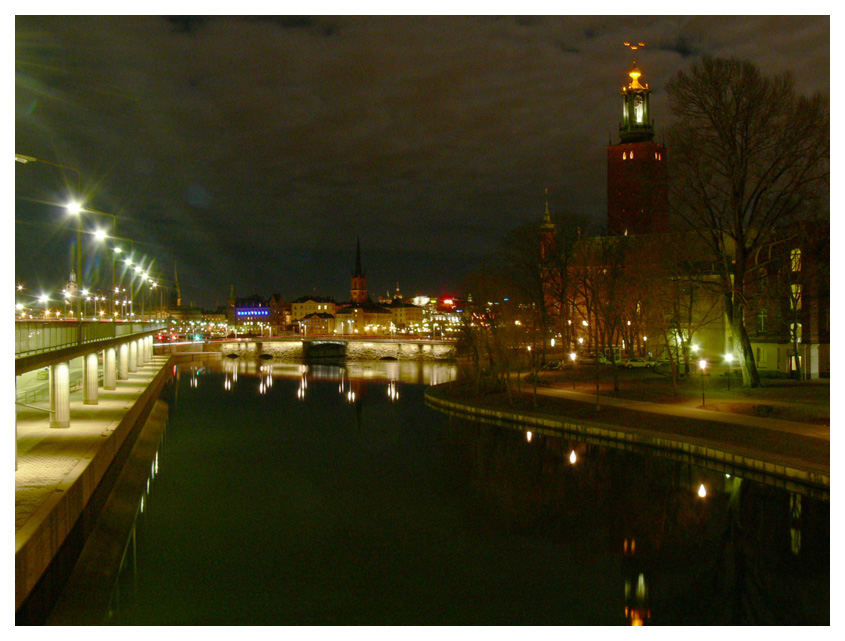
287 494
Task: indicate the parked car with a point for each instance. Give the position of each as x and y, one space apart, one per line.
638 362
590 359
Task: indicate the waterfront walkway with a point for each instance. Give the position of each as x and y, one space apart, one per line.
796 449
50 461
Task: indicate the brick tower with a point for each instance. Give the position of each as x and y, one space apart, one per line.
637 180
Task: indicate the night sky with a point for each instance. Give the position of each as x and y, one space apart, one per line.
252 151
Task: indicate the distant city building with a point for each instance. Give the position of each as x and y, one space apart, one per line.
317 323
307 305
407 317
255 314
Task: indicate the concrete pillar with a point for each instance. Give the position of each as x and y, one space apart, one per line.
60 395
142 352
90 379
123 371
150 350
109 373
133 356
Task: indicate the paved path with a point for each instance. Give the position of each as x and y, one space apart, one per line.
46 456
802 444
696 412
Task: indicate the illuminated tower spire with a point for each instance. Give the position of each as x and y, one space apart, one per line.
636 123
637 176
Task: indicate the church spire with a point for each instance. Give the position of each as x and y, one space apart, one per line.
358 271
547 217
358 290
176 282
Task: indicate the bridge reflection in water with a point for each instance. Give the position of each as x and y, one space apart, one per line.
287 493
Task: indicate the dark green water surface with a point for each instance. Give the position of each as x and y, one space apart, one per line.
282 499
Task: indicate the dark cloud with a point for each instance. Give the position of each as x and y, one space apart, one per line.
253 150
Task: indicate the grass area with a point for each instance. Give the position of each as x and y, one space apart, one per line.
780 398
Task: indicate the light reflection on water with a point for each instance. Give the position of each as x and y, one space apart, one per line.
334 496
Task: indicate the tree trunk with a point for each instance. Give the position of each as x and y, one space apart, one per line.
750 376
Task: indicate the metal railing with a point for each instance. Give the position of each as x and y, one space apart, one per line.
36 337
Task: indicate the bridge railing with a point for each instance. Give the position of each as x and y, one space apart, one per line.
35 337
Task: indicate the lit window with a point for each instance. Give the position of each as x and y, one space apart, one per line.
795 256
624 156
632 155
795 302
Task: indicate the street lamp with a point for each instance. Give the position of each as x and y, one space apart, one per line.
76 209
72 208
702 365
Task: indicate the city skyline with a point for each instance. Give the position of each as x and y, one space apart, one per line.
256 166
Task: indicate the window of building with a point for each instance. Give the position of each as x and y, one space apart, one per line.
795 331
632 155
795 256
624 156
795 300
762 320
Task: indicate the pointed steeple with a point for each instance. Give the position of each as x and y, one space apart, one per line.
358 293
547 225
358 271
178 291
548 233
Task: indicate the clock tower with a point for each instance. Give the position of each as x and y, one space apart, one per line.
637 179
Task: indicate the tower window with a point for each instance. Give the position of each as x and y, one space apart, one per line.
632 155
624 156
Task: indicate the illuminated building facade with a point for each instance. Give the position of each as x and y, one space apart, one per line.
307 305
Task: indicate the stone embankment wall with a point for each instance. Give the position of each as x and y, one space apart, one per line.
712 455
63 519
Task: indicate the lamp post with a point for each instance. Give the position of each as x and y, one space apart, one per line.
702 365
76 209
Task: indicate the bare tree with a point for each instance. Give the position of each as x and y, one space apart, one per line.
748 154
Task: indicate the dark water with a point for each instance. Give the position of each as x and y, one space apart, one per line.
287 500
